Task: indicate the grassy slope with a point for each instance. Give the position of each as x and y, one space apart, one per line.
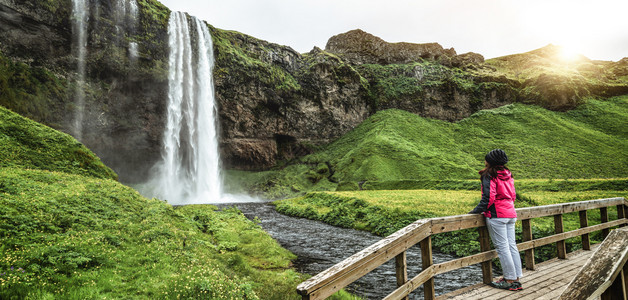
30 145
394 145
70 231
80 237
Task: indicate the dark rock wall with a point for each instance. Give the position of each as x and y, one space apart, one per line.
125 97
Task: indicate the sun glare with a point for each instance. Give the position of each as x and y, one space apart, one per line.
568 54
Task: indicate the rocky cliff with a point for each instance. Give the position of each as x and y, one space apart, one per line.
274 103
124 95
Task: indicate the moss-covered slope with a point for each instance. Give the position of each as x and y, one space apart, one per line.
68 236
30 145
394 145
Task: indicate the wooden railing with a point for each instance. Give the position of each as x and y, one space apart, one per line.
606 272
420 232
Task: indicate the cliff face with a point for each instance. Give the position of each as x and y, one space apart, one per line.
274 103
124 93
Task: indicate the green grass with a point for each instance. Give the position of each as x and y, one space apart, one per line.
30 145
394 149
75 237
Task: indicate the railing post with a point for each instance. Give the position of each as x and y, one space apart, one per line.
426 262
401 269
625 280
485 245
617 290
558 228
604 219
527 236
621 213
584 222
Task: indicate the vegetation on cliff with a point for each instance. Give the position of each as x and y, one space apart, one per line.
34 92
395 146
29 145
550 79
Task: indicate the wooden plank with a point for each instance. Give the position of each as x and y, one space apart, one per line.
566 235
485 245
454 223
584 222
604 219
602 269
556 209
355 266
527 236
545 272
412 284
464 262
538 283
560 245
532 281
555 278
401 269
426 262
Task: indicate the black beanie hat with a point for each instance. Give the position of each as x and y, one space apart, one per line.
496 157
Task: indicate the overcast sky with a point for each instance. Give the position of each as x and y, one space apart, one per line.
597 29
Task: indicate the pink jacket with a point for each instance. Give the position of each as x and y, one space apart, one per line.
498 196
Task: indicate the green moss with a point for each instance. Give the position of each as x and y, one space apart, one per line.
234 58
389 83
27 144
70 236
32 91
156 11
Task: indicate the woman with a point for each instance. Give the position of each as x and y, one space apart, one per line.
498 206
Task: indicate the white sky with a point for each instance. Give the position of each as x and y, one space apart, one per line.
597 29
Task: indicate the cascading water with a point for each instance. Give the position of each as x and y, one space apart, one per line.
126 18
190 170
80 15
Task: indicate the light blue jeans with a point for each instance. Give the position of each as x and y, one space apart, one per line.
502 231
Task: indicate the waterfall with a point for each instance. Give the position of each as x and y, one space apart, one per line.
80 15
190 168
126 18
133 52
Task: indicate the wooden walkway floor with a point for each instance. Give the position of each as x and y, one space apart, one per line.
548 281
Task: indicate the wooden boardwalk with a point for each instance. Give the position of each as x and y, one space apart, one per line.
548 281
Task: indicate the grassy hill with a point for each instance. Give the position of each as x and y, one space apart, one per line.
590 141
27 144
69 230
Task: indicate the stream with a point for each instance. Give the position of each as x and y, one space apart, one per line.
320 246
